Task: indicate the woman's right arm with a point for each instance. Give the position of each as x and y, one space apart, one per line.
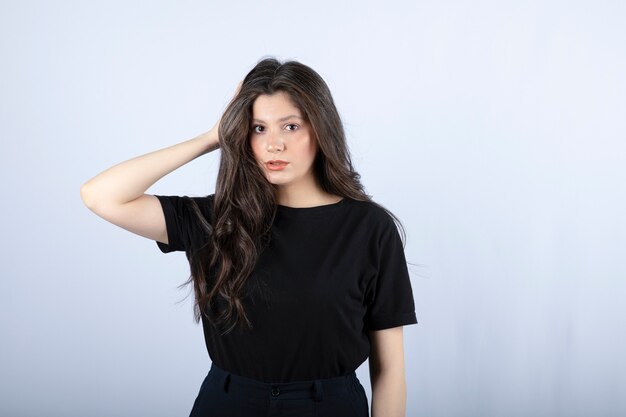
118 193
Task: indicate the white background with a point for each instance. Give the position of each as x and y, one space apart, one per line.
493 129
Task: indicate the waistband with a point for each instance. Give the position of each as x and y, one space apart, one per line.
315 388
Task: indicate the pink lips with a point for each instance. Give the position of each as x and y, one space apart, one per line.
276 165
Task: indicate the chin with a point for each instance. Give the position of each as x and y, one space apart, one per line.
279 182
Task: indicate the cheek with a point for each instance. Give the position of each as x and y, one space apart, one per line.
313 149
255 149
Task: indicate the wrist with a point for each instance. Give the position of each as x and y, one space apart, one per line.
210 140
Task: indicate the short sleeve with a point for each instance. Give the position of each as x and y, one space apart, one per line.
184 230
389 295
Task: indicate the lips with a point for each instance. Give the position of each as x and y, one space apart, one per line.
276 165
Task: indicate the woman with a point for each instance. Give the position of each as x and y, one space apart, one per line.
299 275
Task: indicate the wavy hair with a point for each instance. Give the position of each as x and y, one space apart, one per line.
245 201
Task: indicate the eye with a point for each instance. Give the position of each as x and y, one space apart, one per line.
254 128
296 126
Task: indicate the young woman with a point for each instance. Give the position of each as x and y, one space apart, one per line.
299 276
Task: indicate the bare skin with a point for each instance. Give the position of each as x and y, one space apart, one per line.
279 131
118 194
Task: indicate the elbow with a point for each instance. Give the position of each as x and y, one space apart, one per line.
86 195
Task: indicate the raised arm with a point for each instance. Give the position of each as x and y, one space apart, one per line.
118 193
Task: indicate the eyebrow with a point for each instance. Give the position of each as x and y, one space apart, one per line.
282 119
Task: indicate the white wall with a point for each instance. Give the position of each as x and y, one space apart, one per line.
494 129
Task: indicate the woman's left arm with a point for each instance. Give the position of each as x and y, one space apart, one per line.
387 376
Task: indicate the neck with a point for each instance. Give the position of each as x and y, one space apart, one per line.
309 194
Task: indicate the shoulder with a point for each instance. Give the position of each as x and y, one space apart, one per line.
186 205
205 204
372 212
372 219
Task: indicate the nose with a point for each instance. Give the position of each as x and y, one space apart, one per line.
275 143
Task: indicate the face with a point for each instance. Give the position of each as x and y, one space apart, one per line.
279 132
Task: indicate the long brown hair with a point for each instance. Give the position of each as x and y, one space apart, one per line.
245 201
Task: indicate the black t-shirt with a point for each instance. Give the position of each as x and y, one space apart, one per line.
329 274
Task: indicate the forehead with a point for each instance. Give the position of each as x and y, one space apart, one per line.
271 107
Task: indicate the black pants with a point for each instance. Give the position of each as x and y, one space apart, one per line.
223 394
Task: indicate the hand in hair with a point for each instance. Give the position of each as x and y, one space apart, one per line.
215 129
